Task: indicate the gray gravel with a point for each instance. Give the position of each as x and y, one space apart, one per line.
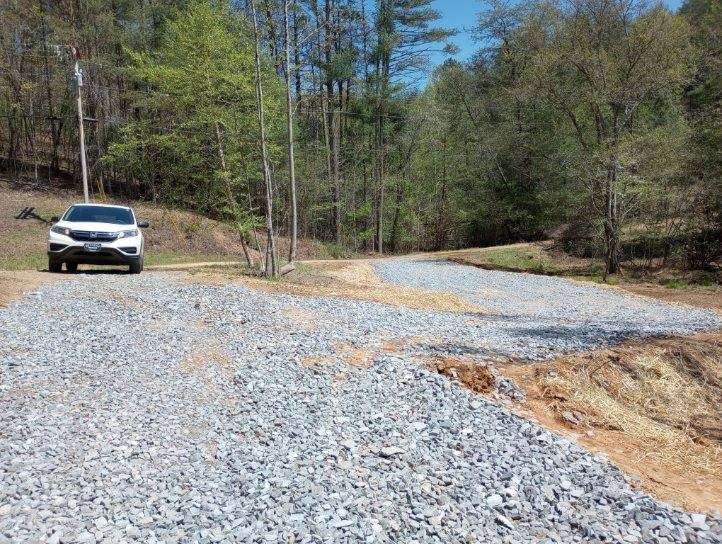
134 408
544 311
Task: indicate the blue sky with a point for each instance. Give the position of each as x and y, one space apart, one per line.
461 14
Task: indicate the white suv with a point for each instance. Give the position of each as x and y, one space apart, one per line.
96 234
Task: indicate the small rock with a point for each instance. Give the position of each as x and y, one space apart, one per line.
390 451
85 536
501 520
699 522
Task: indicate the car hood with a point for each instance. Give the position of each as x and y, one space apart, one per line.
93 226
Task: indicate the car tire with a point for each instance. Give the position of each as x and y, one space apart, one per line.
72 268
54 266
136 267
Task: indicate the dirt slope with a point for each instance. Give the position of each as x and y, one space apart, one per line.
652 407
174 236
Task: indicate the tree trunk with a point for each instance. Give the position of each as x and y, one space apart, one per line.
272 39
271 265
383 66
333 124
291 157
335 175
380 189
393 238
296 54
326 136
611 220
441 219
54 169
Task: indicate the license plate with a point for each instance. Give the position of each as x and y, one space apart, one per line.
92 246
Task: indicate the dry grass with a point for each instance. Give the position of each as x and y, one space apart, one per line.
13 285
700 297
174 236
652 407
644 390
317 360
349 354
354 279
364 357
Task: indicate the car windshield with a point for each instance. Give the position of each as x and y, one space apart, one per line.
99 214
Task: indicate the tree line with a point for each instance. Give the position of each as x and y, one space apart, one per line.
594 120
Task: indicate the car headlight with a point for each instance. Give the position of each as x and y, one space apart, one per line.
128 233
60 230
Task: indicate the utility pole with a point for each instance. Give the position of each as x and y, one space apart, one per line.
81 128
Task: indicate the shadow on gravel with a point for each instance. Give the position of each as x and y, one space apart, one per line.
575 335
89 272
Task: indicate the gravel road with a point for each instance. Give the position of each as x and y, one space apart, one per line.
564 315
138 408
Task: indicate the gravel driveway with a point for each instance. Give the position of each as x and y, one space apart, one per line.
561 314
141 408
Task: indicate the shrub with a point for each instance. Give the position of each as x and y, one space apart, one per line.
702 248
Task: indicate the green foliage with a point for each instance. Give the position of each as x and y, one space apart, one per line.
703 230
566 108
336 251
243 221
522 259
198 103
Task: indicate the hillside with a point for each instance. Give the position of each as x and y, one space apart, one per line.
174 236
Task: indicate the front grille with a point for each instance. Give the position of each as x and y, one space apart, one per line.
131 250
92 236
92 254
57 247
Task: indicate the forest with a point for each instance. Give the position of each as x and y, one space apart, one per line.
595 122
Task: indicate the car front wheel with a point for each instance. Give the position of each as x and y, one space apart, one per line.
54 266
71 267
136 267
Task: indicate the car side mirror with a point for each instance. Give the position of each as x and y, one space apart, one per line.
54 219
143 224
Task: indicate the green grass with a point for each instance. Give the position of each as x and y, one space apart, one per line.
172 257
536 260
22 250
36 260
520 259
704 283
